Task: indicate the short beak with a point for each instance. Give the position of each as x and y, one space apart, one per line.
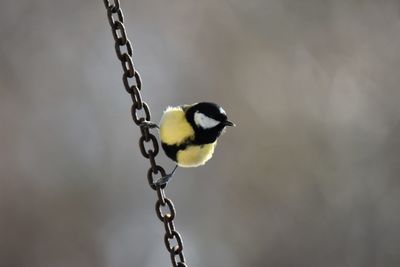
229 123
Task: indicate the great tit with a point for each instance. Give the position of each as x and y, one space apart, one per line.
189 134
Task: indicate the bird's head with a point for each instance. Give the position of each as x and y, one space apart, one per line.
208 121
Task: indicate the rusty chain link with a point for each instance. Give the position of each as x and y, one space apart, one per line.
148 143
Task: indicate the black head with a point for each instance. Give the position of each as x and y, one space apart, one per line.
208 121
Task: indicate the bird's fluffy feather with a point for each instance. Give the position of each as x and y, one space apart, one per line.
194 156
174 128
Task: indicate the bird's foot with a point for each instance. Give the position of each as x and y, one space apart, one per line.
164 180
149 125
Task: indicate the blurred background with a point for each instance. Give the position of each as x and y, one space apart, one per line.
309 177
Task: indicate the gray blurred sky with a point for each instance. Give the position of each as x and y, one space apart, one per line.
310 177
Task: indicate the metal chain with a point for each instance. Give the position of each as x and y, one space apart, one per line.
133 85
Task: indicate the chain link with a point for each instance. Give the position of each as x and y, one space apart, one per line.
148 143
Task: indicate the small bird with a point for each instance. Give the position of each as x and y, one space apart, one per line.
189 134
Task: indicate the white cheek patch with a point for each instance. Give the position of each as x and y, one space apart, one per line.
203 121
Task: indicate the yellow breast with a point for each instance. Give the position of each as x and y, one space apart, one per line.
174 128
194 156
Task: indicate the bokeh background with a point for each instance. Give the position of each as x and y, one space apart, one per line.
309 177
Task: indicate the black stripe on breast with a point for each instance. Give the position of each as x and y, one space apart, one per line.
172 150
